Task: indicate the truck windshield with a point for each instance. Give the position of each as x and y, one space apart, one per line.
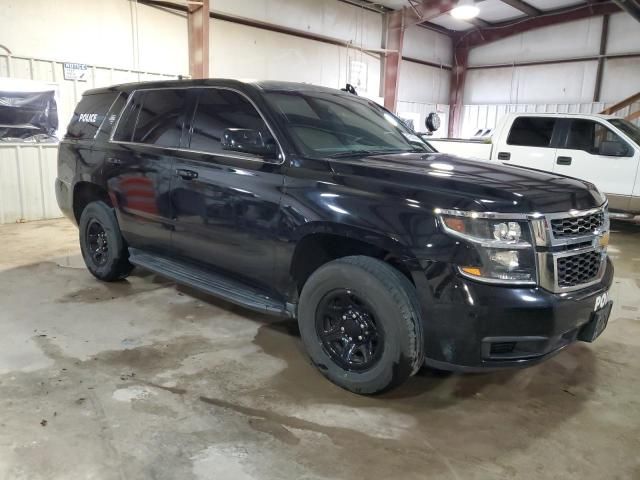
324 124
632 131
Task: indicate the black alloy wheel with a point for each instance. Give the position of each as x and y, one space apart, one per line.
98 243
348 331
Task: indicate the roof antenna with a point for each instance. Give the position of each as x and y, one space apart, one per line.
349 89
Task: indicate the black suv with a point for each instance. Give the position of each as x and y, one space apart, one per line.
316 204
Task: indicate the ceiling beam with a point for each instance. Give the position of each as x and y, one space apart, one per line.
478 37
631 7
524 7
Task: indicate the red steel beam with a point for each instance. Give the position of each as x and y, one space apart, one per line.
479 37
456 90
198 31
394 38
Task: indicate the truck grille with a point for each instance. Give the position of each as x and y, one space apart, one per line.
574 226
578 269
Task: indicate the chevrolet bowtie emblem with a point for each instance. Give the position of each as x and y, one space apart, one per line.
603 240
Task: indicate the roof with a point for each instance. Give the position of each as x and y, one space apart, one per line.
265 85
561 114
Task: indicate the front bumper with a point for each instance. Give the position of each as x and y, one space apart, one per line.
471 326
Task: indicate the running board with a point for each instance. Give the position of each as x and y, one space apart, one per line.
209 282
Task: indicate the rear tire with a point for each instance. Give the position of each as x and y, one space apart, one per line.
104 251
360 322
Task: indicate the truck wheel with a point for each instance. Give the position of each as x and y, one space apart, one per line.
104 250
359 320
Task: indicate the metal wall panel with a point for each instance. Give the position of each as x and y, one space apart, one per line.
28 171
475 117
27 174
69 92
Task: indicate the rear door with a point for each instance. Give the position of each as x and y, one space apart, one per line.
593 151
138 166
227 204
530 143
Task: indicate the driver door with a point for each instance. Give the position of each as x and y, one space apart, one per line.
226 203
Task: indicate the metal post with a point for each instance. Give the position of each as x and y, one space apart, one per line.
394 22
198 29
603 51
456 93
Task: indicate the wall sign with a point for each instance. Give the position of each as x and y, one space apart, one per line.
76 71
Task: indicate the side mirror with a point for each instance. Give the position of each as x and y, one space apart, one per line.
248 141
613 149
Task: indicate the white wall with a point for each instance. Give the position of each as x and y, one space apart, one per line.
114 33
573 39
567 86
559 83
324 17
423 44
238 51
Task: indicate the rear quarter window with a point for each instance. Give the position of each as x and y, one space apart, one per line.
531 131
90 114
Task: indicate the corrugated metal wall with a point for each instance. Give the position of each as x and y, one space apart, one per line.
27 174
28 171
475 117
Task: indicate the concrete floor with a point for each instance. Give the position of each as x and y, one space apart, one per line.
140 379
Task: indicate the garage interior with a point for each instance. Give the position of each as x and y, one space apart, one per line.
144 378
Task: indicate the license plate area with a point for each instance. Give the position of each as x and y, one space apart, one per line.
596 324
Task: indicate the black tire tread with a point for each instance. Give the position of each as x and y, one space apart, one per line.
119 266
403 293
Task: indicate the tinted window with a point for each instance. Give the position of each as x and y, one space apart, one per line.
154 117
633 131
531 131
334 124
219 109
89 115
595 138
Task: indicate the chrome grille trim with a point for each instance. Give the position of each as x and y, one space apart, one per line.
549 255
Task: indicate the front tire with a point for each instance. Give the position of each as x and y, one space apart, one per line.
104 251
360 322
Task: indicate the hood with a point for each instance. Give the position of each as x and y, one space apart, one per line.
446 181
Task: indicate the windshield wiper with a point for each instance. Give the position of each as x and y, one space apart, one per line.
352 153
356 153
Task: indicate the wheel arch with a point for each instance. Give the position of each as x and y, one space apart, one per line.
85 192
322 242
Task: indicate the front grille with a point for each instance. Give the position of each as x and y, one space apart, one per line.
574 226
578 269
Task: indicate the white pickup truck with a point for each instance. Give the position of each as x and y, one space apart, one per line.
602 149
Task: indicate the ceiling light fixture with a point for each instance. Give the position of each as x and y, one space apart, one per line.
465 10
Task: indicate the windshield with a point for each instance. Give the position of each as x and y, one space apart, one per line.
324 124
632 131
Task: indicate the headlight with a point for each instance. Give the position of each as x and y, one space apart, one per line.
505 252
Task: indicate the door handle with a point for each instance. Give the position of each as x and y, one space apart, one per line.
504 156
186 174
563 160
114 161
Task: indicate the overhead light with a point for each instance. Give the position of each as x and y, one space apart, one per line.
465 10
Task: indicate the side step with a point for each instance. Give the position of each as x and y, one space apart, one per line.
209 282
